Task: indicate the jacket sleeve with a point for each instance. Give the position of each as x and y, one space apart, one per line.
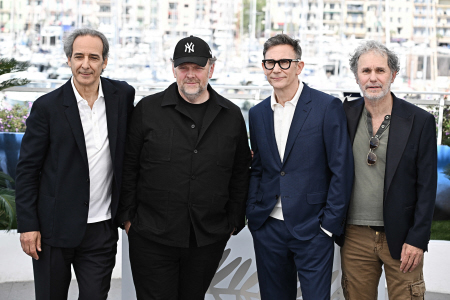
33 151
426 184
340 162
238 187
256 167
131 163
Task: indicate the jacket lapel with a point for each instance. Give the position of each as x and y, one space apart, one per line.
353 110
112 114
301 113
401 125
73 117
270 130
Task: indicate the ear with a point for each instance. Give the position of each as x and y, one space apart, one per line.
300 66
68 62
393 76
105 62
211 71
173 71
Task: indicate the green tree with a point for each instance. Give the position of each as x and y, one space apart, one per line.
10 65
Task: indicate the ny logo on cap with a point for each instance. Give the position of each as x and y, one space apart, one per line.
189 47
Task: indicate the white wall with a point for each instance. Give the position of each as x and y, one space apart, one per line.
15 265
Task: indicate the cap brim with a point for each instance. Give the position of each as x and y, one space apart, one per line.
201 61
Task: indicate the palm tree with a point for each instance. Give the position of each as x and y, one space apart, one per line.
8 218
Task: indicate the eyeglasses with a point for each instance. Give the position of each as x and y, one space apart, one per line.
284 64
374 142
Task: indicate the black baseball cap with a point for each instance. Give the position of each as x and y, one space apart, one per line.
191 50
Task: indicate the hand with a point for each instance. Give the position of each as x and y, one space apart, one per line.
127 225
411 256
234 229
31 243
252 153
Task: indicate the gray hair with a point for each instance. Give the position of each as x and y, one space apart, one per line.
68 42
283 39
393 63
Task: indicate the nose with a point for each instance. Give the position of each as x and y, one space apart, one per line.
85 64
373 76
276 68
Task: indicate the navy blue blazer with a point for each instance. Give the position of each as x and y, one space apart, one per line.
410 179
315 179
52 177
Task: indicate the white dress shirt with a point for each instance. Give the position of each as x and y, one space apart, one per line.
99 156
282 119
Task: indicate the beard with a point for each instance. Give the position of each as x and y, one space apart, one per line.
192 95
375 97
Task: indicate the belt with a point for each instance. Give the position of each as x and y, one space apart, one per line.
377 228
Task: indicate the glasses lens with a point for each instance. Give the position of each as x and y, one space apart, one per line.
285 64
269 64
374 143
371 158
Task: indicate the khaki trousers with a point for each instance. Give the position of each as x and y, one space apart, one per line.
364 253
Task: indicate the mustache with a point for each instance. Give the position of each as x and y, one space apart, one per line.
372 86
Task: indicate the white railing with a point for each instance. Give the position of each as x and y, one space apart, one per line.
258 93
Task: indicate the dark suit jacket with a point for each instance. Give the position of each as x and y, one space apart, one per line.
174 175
315 179
52 184
410 179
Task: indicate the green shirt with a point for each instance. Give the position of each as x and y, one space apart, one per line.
366 203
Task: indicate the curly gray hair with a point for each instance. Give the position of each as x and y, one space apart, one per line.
379 48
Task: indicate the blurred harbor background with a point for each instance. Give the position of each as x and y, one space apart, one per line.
143 33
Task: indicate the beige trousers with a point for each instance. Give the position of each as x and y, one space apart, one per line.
364 253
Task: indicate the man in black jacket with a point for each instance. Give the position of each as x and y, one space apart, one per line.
69 174
185 181
394 190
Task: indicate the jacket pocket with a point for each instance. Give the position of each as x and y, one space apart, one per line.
217 215
152 209
226 149
317 198
46 214
159 145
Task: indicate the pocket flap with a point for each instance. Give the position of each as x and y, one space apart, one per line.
317 198
418 288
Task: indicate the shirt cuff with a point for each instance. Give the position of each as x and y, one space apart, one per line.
326 231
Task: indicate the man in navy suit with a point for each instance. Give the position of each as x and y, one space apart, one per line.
392 203
301 178
69 174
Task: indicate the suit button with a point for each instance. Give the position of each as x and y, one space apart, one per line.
195 151
282 173
193 126
85 203
193 177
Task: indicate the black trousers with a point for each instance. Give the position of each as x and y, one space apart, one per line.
93 261
163 272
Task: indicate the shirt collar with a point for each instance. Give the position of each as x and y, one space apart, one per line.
294 100
78 96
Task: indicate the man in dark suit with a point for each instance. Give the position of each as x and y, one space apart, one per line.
301 178
69 174
185 180
391 208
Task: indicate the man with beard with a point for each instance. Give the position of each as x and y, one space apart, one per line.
185 180
394 190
